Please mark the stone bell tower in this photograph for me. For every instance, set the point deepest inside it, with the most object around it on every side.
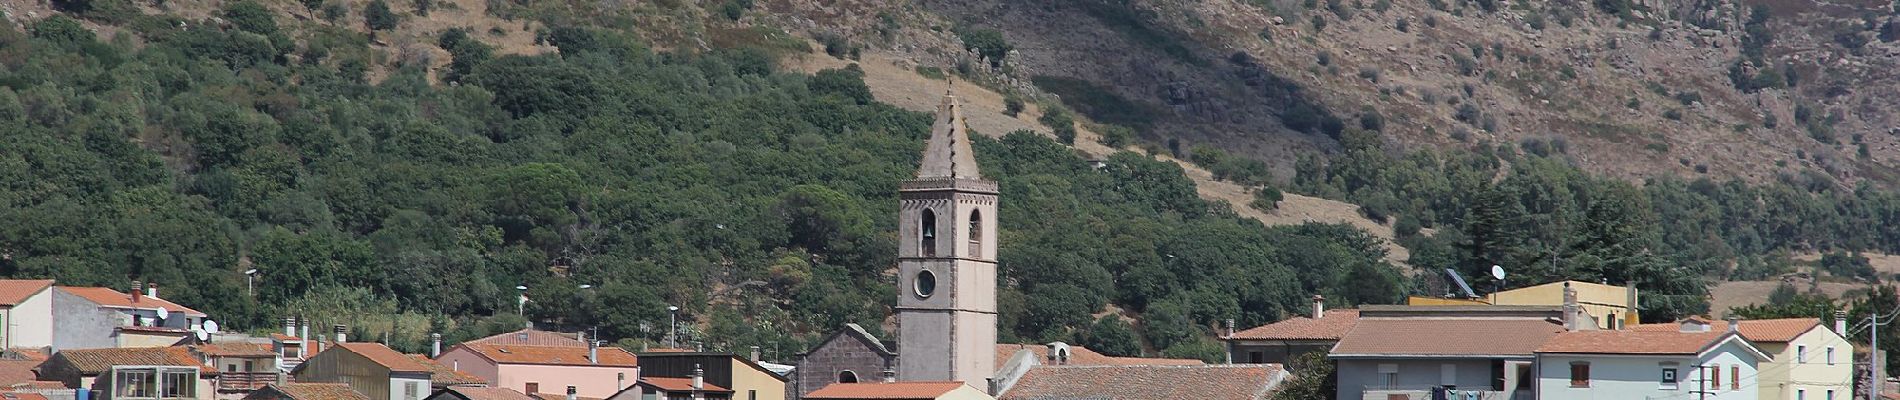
(946, 279)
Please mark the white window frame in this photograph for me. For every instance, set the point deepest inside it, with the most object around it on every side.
(1389, 375)
(1670, 378)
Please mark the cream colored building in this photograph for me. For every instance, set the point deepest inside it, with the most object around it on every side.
(26, 313)
(1810, 361)
(1611, 306)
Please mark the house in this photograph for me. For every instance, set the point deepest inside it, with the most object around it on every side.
(370, 368)
(131, 373)
(660, 388)
(478, 393)
(743, 376)
(1807, 360)
(242, 366)
(1610, 306)
(26, 313)
(1403, 352)
(96, 317)
(1288, 340)
(1692, 362)
(850, 355)
(1143, 382)
(544, 362)
(291, 343)
(306, 391)
(1014, 360)
(899, 391)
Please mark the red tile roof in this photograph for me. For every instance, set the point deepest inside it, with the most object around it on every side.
(315, 391)
(552, 355)
(1082, 356)
(1755, 330)
(1446, 337)
(679, 384)
(482, 393)
(531, 337)
(22, 396)
(885, 391)
(384, 356)
(113, 298)
(1222, 382)
(13, 372)
(1332, 326)
(15, 291)
(97, 361)
(443, 375)
(551, 396)
(235, 350)
(1632, 342)
(287, 339)
(35, 385)
(23, 353)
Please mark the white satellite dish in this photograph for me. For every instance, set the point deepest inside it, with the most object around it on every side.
(200, 333)
(1497, 271)
(163, 314)
(211, 326)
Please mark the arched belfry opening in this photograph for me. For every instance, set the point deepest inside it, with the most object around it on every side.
(976, 233)
(927, 239)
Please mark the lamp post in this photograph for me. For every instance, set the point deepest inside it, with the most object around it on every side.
(249, 286)
(672, 326)
(521, 302)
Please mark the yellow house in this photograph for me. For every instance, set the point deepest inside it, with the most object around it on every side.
(744, 376)
(1810, 361)
(1613, 306)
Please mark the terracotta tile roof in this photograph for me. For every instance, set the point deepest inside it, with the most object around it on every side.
(235, 350)
(23, 353)
(13, 372)
(1332, 326)
(679, 384)
(22, 396)
(96, 361)
(317, 391)
(552, 355)
(1446, 337)
(1082, 356)
(480, 393)
(885, 391)
(384, 356)
(113, 298)
(443, 375)
(551, 396)
(287, 339)
(531, 337)
(15, 291)
(1755, 330)
(1217, 382)
(1632, 342)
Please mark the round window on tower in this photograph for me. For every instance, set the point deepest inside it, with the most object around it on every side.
(926, 283)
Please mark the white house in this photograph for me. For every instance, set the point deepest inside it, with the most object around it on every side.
(1811, 362)
(26, 313)
(1691, 362)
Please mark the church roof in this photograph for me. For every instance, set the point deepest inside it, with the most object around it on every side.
(948, 154)
(862, 335)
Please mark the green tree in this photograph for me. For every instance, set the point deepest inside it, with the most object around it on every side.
(1112, 336)
(378, 17)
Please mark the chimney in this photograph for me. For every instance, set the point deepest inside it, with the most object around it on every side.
(1840, 322)
(572, 393)
(151, 290)
(1319, 306)
(593, 352)
(1230, 327)
(699, 378)
(755, 353)
(342, 333)
(322, 341)
(435, 345)
(1734, 324)
(620, 382)
(304, 326)
(890, 375)
(138, 289)
(290, 326)
(1570, 307)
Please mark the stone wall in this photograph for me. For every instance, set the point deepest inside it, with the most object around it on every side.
(845, 352)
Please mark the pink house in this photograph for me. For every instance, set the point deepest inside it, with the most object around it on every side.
(536, 362)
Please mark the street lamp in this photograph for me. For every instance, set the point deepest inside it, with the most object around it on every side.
(672, 326)
(521, 303)
(249, 287)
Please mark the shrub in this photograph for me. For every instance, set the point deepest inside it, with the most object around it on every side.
(1369, 73)
(1012, 105)
(378, 17)
(987, 42)
(1403, 25)
(1319, 24)
(1267, 198)
(1467, 113)
(1673, 114)
(1059, 121)
(251, 17)
(1115, 135)
(933, 73)
(1371, 120)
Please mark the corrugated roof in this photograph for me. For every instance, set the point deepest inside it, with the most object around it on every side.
(384, 356)
(1211, 382)
(1331, 326)
(1446, 337)
(885, 391)
(443, 375)
(679, 384)
(1632, 342)
(96, 361)
(1755, 330)
(482, 393)
(113, 298)
(531, 337)
(552, 355)
(15, 291)
(1082, 356)
(317, 391)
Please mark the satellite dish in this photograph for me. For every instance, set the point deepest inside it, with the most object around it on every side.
(211, 326)
(200, 333)
(1497, 271)
(163, 314)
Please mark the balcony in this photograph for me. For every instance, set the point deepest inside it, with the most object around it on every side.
(245, 381)
(1372, 392)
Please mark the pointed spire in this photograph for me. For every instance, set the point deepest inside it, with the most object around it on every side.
(948, 154)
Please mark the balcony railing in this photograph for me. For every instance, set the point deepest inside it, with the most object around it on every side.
(1382, 392)
(245, 381)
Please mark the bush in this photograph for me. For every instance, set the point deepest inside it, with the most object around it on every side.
(378, 17)
(1112, 336)
(1059, 121)
(935, 73)
(1012, 105)
(1674, 114)
(251, 17)
(1369, 73)
(987, 42)
(837, 46)
(1267, 198)
(1371, 120)
(1319, 24)
(1403, 25)
(1115, 135)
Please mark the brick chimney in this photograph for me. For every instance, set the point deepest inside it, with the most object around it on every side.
(593, 351)
(1734, 324)
(138, 289)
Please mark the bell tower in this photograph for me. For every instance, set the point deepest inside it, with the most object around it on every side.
(946, 279)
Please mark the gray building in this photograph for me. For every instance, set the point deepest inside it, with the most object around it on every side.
(96, 317)
(848, 356)
(1409, 351)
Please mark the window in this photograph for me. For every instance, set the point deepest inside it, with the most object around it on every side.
(1715, 377)
(925, 283)
(1735, 377)
(1801, 354)
(927, 238)
(754, 395)
(1830, 355)
(230, 368)
(138, 320)
(1448, 374)
(250, 365)
(976, 234)
(290, 352)
(411, 390)
(533, 388)
(1389, 375)
(1580, 374)
(180, 384)
(1830, 394)
(135, 383)
(1257, 357)
(1668, 378)
(847, 377)
(1800, 394)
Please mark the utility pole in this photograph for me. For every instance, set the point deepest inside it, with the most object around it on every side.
(1873, 360)
(1702, 381)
